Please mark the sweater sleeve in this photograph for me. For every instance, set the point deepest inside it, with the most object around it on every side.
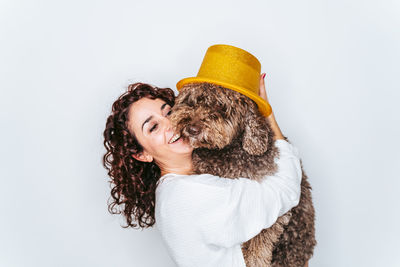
(227, 212)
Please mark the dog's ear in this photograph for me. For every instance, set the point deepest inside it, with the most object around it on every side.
(256, 134)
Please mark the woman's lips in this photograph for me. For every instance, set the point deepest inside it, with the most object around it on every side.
(174, 138)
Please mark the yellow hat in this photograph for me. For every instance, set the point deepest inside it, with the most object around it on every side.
(232, 68)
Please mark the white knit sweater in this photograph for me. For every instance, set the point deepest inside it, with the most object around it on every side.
(204, 219)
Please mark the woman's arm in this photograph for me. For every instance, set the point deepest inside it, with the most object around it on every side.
(271, 118)
(227, 212)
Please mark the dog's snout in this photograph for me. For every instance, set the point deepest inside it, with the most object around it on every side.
(193, 129)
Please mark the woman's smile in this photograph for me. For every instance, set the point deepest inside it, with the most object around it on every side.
(174, 139)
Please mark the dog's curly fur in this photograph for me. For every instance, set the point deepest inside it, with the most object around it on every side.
(232, 139)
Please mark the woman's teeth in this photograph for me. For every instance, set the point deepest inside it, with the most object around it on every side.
(174, 138)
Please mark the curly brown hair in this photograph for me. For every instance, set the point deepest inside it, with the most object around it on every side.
(133, 183)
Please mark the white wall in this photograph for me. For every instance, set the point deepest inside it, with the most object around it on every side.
(333, 80)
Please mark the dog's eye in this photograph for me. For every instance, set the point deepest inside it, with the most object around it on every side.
(213, 116)
(221, 106)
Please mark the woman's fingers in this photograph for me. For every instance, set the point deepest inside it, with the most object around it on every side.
(262, 91)
(271, 118)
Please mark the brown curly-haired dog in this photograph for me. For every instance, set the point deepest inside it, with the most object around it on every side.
(232, 139)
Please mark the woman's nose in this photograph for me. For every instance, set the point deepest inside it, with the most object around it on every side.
(167, 124)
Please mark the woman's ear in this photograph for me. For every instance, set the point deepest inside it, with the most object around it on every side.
(143, 156)
(255, 136)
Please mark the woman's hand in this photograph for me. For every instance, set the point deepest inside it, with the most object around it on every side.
(262, 92)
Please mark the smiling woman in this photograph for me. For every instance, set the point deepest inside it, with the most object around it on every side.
(134, 181)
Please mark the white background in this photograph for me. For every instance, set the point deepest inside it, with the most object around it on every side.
(333, 80)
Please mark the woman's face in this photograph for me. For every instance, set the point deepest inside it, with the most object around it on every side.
(148, 120)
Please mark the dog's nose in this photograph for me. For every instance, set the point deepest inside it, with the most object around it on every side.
(193, 129)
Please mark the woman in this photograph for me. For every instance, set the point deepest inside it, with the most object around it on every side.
(203, 219)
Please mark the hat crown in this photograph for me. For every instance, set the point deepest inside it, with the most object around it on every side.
(232, 65)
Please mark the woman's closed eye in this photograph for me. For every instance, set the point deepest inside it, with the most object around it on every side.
(155, 125)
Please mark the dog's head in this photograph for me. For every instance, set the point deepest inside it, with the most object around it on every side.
(211, 116)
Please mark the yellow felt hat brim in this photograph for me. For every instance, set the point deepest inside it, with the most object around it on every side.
(263, 105)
